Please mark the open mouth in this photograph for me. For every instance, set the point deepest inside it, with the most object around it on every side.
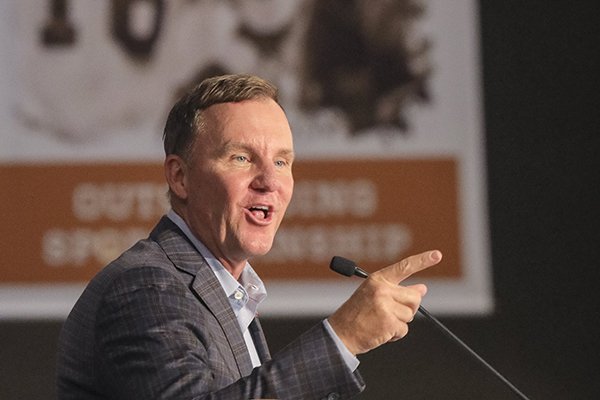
(260, 212)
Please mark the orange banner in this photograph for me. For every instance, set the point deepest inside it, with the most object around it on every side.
(62, 223)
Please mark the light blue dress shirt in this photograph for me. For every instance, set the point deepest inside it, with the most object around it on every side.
(246, 295)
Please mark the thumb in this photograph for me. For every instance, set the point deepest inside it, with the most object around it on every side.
(401, 270)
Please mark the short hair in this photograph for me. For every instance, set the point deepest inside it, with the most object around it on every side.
(185, 121)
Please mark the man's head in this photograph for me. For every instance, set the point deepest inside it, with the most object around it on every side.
(185, 121)
(229, 155)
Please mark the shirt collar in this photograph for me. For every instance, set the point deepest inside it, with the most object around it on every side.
(247, 293)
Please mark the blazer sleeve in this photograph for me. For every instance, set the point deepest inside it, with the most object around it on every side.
(153, 340)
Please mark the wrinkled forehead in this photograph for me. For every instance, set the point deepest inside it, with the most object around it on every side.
(256, 123)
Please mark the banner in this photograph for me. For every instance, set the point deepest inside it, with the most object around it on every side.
(384, 103)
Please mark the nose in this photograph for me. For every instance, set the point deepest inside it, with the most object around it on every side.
(266, 179)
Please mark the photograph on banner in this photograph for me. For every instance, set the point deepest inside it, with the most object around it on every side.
(384, 100)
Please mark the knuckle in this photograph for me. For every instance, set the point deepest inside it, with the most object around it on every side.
(401, 331)
(407, 314)
(378, 287)
(404, 265)
(404, 330)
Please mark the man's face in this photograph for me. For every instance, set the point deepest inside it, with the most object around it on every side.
(239, 181)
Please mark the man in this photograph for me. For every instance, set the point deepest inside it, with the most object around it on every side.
(174, 316)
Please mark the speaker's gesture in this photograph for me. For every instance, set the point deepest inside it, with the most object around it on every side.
(380, 309)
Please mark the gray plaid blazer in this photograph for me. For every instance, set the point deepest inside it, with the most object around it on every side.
(156, 324)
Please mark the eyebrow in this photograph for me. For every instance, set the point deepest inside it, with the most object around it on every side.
(286, 153)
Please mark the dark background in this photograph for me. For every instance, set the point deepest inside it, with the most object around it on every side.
(540, 84)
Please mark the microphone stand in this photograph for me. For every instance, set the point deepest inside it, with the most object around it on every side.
(348, 268)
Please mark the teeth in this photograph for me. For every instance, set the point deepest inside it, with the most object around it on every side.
(264, 209)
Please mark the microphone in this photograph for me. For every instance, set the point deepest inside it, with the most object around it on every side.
(349, 268)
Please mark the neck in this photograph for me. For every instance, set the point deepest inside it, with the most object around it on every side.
(234, 269)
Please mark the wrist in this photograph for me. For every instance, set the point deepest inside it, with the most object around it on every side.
(338, 330)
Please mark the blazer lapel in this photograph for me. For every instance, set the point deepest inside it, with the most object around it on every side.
(260, 342)
(207, 288)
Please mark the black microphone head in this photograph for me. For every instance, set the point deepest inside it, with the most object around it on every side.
(343, 266)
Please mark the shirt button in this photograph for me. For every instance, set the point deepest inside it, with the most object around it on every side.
(238, 295)
(333, 396)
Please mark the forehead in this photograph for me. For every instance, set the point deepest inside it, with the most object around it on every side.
(251, 122)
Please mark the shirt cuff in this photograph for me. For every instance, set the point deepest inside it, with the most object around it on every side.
(349, 358)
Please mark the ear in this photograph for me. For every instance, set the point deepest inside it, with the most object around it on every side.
(176, 175)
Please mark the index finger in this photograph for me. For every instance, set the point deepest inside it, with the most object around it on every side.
(401, 270)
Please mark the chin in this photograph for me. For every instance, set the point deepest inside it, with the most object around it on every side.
(258, 248)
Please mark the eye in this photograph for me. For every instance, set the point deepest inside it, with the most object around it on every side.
(241, 159)
(283, 162)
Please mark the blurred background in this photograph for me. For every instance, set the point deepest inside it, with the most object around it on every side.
(538, 70)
